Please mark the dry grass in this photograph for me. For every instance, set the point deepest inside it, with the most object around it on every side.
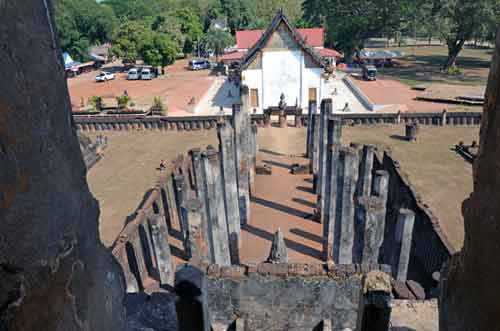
(128, 169)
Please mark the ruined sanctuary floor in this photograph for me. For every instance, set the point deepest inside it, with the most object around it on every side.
(128, 171)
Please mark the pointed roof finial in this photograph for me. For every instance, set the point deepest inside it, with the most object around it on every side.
(279, 253)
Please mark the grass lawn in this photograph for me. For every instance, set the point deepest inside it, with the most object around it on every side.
(423, 64)
(128, 169)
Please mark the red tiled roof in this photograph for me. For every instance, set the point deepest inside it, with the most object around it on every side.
(233, 56)
(245, 39)
(328, 52)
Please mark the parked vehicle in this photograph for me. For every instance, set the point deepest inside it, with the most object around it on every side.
(104, 76)
(133, 74)
(369, 72)
(146, 74)
(199, 64)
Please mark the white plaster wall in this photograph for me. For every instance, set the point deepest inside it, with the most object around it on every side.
(253, 79)
(312, 78)
(284, 72)
(281, 74)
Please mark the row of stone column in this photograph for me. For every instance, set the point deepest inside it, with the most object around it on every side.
(351, 196)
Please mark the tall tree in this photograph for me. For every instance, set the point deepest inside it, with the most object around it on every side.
(81, 23)
(459, 21)
(217, 40)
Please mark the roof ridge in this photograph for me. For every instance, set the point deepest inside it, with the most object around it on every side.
(280, 16)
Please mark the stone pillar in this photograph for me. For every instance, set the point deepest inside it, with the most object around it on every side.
(404, 235)
(159, 234)
(377, 302)
(298, 119)
(172, 215)
(217, 226)
(364, 185)
(267, 119)
(330, 202)
(330, 136)
(282, 119)
(229, 179)
(370, 226)
(380, 187)
(443, 117)
(253, 161)
(411, 131)
(195, 155)
(344, 213)
(242, 129)
(326, 106)
(310, 130)
(196, 245)
(315, 152)
(180, 197)
(278, 253)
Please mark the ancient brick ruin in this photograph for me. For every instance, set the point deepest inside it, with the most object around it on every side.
(372, 220)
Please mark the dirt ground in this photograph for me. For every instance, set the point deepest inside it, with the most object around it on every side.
(387, 90)
(415, 315)
(424, 63)
(128, 170)
(177, 87)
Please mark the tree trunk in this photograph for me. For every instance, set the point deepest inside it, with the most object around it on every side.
(454, 49)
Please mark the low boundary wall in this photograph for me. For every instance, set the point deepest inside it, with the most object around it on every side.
(190, 123)
(430, 246)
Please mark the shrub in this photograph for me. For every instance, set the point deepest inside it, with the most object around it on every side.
(122, 101)
(96, 102)
(158, 106)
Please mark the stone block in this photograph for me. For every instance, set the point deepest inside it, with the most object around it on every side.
(273, 269)
(234, 272)
(213, 270)
(305, 269)
(401, 291)
(417, 289)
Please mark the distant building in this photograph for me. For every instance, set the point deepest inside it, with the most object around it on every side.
(282, 59)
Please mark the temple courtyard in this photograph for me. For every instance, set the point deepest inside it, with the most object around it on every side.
(130, 168)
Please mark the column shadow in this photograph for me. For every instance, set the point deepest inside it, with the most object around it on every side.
(305, 202)
(277, 164)
(307, 235)
(290, 244)
(280, 207)
(267, 151)
(305, 189)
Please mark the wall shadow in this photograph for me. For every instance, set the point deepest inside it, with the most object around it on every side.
(398, 137)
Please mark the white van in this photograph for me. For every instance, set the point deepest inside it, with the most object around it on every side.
(146, 74)
(133, 74)
(199, 64)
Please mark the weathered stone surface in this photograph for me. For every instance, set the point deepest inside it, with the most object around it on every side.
(292, 303)
(56, 275)
(151, 312)
(377, 281)
(401, 291)
(279, 252)
(470, 286)
(417, 289)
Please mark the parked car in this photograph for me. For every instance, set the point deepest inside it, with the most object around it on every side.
(369, 72)
(146, 74)
(199, 64)
(133, 74)
(104, 76)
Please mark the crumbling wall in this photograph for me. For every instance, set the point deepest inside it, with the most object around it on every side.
(290, 296)
(430, 247)
(56, 275)
(470, 286)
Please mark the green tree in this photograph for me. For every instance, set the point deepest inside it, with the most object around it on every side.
(129, 39)
(191, 28)
(81, 23)
(217, 40)
(158, 50)
(459, 21)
